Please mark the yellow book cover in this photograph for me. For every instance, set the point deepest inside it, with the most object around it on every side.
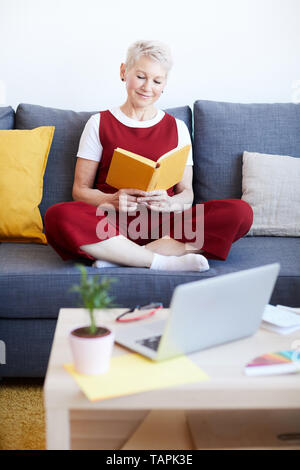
(130, 170)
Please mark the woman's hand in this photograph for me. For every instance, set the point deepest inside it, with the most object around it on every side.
(129, 200)
(125, 200)
(157, 200)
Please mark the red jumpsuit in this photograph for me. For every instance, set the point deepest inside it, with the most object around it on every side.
(69, 225)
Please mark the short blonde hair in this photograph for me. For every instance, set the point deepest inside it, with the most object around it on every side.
(156, 50)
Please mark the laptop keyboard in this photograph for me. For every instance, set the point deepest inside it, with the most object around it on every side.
(151, 343)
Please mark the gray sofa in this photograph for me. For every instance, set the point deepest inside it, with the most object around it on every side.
(35, 282)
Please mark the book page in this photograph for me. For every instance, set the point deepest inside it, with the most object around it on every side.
(136, 156)
(172, 166)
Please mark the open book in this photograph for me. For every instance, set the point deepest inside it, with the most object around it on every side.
(130, 170)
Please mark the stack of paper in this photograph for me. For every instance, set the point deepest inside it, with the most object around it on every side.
(281, 319)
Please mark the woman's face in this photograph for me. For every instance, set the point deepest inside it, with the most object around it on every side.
(145, 81)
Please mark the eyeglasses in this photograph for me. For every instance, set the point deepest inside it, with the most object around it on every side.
(153, 307)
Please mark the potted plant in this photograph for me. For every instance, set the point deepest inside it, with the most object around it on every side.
(92, 345)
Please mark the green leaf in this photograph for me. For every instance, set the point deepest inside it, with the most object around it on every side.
(92, 293)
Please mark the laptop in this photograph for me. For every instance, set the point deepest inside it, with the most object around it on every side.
(205, 313)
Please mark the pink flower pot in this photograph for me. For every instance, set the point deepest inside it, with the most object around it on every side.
(91, 354)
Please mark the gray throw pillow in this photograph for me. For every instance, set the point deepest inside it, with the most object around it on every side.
(271, 187)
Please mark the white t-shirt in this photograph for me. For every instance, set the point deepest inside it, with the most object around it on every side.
(91, 148)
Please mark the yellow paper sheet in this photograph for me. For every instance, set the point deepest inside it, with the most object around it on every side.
(132, 373)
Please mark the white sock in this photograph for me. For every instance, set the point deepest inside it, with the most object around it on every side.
(100, 263)
(189, 262)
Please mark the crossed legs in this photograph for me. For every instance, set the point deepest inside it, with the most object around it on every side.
(71, 229)
(164, 253)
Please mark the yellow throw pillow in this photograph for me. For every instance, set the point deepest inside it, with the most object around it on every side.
(23, 158)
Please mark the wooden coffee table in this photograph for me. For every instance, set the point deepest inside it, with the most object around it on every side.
(228, 408)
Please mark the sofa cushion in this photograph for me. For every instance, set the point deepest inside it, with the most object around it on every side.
(58, 180)
(23, 158)
(271, 187)
(223, 131)
(40, 280)
(27, 344)
(7, 117)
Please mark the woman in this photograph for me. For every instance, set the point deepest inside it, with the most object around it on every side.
(72, 228)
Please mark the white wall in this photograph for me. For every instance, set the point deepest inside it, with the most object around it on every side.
(67, 53)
